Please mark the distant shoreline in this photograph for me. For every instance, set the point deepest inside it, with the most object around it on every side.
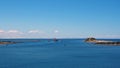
(7, 42)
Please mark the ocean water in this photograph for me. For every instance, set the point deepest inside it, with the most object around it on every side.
(65, 53)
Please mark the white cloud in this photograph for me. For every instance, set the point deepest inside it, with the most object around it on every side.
(56, 31)
(2, 31)
(15, 31)
(11, 34)
(35, 31)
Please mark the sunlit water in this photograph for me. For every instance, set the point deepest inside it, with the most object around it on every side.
(66, 53)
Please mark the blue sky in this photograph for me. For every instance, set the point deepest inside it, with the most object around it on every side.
(59, 18)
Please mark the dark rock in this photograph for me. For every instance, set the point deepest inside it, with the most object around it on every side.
(90, 39)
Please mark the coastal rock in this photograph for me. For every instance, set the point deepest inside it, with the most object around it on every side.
(90, 39)
(93, 40)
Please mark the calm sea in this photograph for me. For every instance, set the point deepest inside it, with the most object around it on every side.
(65, 53)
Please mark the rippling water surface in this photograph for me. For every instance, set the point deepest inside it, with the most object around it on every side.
(66, 53)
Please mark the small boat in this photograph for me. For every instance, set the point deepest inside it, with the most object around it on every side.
(55, 40)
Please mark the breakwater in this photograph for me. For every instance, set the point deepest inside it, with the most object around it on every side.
(93, 40)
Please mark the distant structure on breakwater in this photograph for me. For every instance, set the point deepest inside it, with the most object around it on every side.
(93, 40)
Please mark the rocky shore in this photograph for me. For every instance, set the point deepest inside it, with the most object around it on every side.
(93, 40)
(7, 42)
